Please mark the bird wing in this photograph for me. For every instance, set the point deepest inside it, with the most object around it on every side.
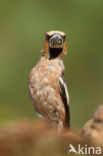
(65, 97)
(63, 91)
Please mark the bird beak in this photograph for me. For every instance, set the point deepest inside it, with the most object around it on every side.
(56, 41)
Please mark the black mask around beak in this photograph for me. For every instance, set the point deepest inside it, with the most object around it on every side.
(56, 41)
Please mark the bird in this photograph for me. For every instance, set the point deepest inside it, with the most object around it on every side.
(93, 129)
(47, 86)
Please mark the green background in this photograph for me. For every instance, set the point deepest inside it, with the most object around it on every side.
(22, 27)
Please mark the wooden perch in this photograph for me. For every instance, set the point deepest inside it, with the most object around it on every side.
(29, 138)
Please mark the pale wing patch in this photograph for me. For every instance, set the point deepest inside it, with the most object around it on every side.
(63, 90)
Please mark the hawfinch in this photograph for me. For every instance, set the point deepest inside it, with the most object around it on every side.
(93, 129)
(47, 86)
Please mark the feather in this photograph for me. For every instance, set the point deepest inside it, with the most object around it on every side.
(65, 98)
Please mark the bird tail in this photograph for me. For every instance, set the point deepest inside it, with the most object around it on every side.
(67, 120)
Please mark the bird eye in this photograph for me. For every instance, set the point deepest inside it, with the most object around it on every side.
(47, 37)
(64, 38)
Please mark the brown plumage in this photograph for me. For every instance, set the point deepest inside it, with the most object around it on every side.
(46, 82)
(93, 129)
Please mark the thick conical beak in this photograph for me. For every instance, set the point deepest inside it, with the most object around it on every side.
(56, 41)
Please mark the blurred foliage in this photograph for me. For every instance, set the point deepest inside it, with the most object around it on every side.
(22, 27)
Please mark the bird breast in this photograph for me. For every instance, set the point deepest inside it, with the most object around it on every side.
(44, 88)
(47, 72)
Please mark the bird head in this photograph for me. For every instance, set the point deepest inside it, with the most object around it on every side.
(54, 45)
